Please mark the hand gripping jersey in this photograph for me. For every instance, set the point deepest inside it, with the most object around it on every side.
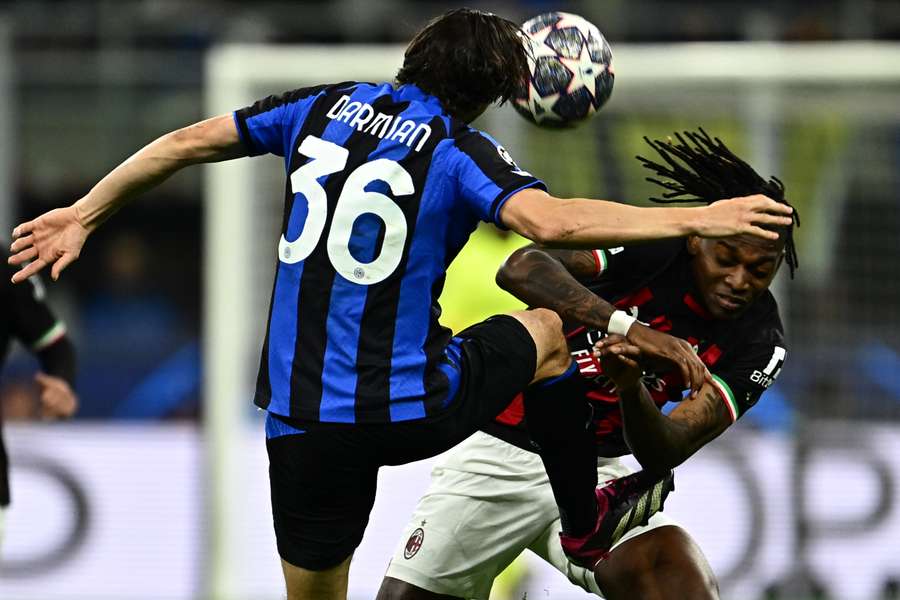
(654, 282)
(383, 189)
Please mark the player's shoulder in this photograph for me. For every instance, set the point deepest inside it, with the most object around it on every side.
(761, 324)
(464, 134)
(646, 260)
(293, 97)
(478, 145)
(663, 254)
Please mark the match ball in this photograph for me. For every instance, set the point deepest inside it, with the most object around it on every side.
(570, 70)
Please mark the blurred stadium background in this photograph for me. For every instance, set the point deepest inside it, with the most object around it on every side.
(158, 488)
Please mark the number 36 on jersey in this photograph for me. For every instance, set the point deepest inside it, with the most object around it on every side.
(327, 158)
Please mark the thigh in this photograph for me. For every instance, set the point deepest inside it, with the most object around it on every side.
(323, 489)
(662, 563)
(481, 510)
(491, 362)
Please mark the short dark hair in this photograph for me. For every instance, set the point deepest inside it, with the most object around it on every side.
(708, 171)
(467, 59)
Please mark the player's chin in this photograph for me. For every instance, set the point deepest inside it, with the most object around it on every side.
(726, 307)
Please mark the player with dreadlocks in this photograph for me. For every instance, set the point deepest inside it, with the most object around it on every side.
(490, 498)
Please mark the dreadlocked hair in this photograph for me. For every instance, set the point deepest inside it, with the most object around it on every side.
(707, 172)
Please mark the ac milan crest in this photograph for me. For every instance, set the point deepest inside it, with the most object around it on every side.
(414, 543)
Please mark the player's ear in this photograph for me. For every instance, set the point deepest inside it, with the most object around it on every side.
(693, 245)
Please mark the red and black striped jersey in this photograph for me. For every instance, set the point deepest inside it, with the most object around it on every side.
(654, 282)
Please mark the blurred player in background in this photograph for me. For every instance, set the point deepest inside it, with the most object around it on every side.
(384, 185)
(24, 316)
(490, 497)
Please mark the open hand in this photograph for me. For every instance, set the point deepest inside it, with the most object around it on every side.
(54, 238)
(748, 214)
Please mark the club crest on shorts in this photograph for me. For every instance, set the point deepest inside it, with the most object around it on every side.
(414, 543)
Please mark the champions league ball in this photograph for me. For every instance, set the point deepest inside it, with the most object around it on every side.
(570, 70)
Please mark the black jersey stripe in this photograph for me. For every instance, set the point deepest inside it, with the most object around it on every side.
(436, 383)
(263, 384)
(379, 321)
(318, 278)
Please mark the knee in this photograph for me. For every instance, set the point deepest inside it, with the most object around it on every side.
(553, 341)
(548, 317)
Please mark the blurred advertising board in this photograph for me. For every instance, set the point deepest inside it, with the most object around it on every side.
(117, 511)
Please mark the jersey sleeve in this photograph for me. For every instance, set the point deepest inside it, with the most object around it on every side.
(635, 262)
(741, 381)
(30, 319)
(487, 176)
(267, 125)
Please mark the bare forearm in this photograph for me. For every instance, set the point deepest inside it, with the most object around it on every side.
(207, 141)
(601, 223)
(580, 223)
(143, 171)
(539, 280)
(657, 442)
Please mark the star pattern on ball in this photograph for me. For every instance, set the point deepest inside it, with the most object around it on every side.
(568, 60)
(586, 71)
(570, 20)
(539, 45)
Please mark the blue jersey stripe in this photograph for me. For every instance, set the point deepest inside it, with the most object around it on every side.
(283, 335)
(427, 261)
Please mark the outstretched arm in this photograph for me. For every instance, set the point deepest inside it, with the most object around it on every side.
(56, 238)
(549, 278)
(580, 223)
(661, 442)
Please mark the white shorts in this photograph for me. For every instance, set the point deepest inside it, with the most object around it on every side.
(487, 502)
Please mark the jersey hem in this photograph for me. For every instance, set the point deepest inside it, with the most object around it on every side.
(307, 420)
(417, 578)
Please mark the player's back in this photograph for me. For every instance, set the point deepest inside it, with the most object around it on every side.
(384, 188)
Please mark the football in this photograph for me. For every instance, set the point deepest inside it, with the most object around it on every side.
(570, 70)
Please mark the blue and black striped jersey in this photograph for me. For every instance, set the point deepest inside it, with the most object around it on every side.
(383, 190)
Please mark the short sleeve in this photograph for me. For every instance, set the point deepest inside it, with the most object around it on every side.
(741, 382)
(487, 176)
(267, 126)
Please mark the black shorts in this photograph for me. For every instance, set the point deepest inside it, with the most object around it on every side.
(323, 475)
